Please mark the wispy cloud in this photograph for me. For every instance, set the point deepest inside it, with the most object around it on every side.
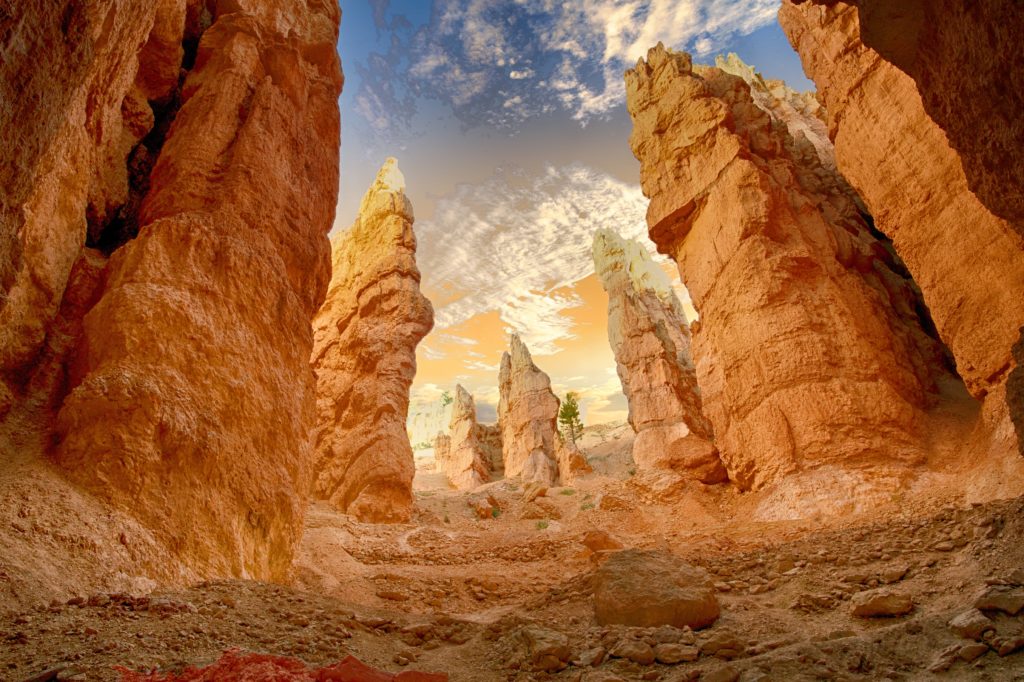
(516, 243)
(499, 62)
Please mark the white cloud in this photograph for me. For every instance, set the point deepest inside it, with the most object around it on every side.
(498, 63)
(516, 242)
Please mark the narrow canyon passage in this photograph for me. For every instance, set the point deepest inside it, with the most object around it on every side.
(650, 341)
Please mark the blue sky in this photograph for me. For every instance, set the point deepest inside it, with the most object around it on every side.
(508, 121)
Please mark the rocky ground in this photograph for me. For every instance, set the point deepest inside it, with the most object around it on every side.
(494, 585)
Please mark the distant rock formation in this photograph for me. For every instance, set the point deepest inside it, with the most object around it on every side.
(427, 419)
(968, 262)
(462, 455)
(799, 303)
(169, 177)
(650, 338)
(364, 355)
(937, 42)
(527, 416)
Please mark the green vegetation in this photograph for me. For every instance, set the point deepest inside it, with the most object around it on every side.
(542, 524)
(586, 505)
(569, 417)
(446, 399)
(566, 491)
(495, 512)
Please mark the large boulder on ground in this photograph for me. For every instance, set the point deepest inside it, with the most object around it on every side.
(648, 588)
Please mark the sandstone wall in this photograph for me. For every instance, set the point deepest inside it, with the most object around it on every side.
(182, 362)
(968, 262)
(650, 339)
(528, 417)
(809, 349)
(364, 356)
(961, 58)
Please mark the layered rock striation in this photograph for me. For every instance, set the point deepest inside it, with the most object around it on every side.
(164, 230)
(810, 349)
(527, 417)
(968, 262)
(465, 458)
(650, 339)
(364, 356)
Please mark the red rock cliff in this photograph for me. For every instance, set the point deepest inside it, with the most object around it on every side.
(211, 133)
(799, 304)
(364, 356)
(968, 262)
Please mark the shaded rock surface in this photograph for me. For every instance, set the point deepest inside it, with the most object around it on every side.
(463, 458)
(799, 302)
(527, 416)
(650, 339)
(364, 356)
(196, 146)
(968, 262)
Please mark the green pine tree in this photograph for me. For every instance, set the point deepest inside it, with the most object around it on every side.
(569, 417)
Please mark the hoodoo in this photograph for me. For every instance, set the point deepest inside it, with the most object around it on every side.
(464, 456)
(528, 417)
(650, 338)
(798, 301)
(364, 356)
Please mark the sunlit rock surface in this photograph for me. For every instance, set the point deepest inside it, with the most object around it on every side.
(364, 356)
(528, 417)
(650, 338)
(198, 148)
(798, 301)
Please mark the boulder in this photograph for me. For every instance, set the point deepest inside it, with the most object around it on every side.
(649, 588)
(881, 603)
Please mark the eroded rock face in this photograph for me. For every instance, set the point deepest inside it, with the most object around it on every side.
(80, 131)
(650, 338)
(213, 136)
(527, 416)
(937, 43)
(968, 262)
(465, 461)
(364, 356)
(799, 302)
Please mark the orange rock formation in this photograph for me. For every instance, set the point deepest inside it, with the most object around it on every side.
(463, 456)
(196, 147)
(650, 338)
(528, 417)
(364, 356)
(968, 262)
(809, 348)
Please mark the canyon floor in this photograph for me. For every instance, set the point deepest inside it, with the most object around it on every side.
(486, 598)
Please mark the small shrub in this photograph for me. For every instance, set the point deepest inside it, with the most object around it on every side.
(586, 505)
(495, 512)
(542, 524)
(567, 491)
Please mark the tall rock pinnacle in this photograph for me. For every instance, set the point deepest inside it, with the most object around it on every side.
(528, 417)
(364, 355)
(650, 338)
